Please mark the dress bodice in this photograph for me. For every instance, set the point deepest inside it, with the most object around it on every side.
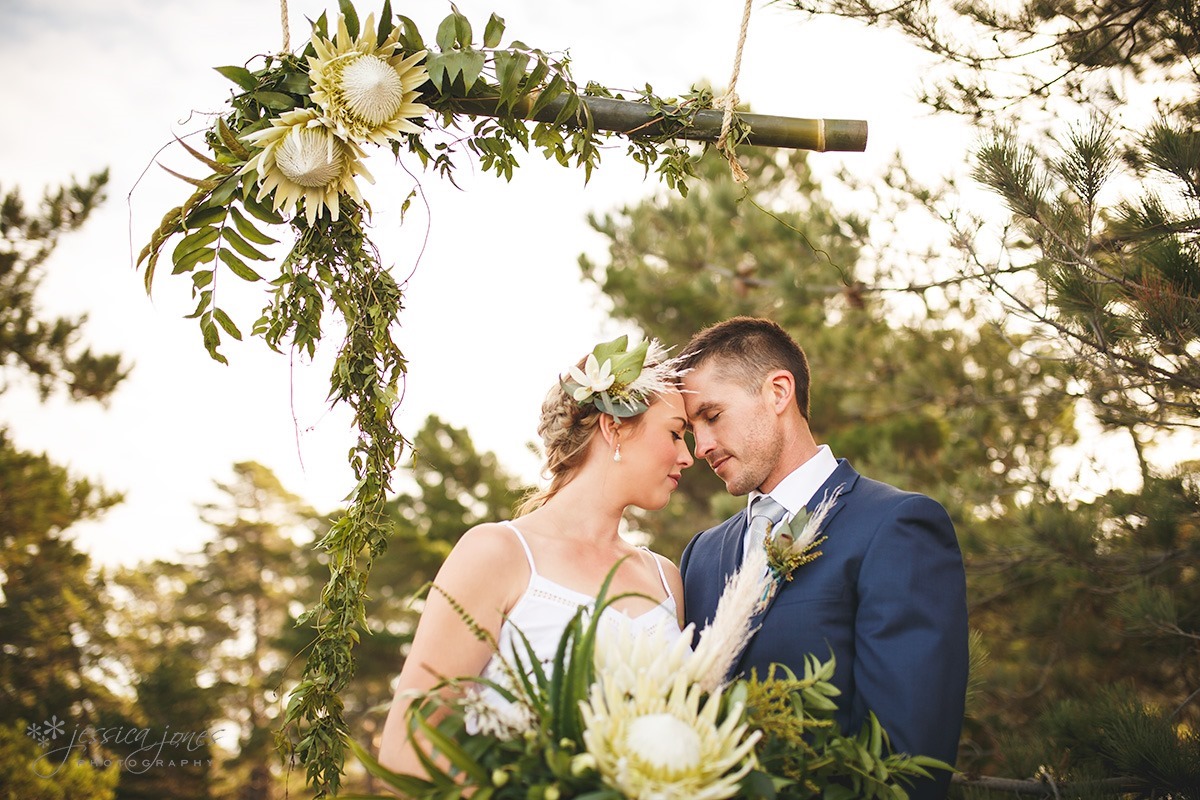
(542, 614)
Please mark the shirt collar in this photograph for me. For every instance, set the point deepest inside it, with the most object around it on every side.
(799, 487)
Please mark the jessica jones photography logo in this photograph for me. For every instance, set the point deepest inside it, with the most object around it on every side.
(140, 749)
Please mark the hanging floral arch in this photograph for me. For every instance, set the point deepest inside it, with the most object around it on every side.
(285, 159)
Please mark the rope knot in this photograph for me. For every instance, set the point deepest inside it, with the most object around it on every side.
(730, 101)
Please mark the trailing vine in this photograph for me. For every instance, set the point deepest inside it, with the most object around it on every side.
(288, 153)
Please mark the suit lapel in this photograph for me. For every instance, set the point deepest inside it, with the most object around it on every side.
(731, 547)
(844, 476)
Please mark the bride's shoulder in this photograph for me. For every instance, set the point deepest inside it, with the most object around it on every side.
(486, 569)
(491, 544)
(668, 566)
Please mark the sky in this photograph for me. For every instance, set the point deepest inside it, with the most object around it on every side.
(495, 308)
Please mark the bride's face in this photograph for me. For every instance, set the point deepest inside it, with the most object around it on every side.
(655, 454)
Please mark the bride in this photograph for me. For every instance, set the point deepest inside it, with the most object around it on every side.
(613, 434)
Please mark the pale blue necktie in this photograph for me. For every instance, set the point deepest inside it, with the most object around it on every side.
(765, 513)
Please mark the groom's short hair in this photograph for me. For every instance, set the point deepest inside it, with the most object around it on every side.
(745, 349)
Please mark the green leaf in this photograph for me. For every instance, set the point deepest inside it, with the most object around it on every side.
(321, 26)
(201, 256)
(212, 339)
(227, 324)
(243, 247)
(351, 15)
(408, 784)
(296, 83)
(239, 75)
(276, 101)
(547, 95)
(211, 163)
(568, 112)
(148, 278)
(194, 241)
(435, 65)
(410, 35)
(493, 31)
(462, 28)
(202, 278)
(205, 215)
(230, 140)
(510, 69)
(202, 306)
(385, 23)
(225, 190)
(540, 70)
(445, 34)
(246, 228)
(468, 63)
(607, 350)
(260, 210)
(238, 267)
(453, 753)
(206, 185)
(472, 66)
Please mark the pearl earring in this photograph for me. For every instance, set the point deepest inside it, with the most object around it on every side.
(617, 454)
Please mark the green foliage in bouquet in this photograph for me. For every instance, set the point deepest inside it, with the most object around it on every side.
(804, 754)
(622, 716)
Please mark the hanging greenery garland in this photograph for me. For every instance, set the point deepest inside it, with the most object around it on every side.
(289, 152)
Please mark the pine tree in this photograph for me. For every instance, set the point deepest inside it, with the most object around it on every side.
(1093, 111)
(52, 663)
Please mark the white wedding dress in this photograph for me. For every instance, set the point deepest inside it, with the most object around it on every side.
(541, 615)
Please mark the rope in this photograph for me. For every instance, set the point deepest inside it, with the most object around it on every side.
(283, 21)
(730, 100)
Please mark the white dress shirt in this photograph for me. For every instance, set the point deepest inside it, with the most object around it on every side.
(798, 488)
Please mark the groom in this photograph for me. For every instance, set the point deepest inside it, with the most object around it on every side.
(887, 596)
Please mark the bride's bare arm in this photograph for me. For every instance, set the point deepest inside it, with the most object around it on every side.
(485, 576)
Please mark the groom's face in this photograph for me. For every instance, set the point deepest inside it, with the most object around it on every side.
(734, 428)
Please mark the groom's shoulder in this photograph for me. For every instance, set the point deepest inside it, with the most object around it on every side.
(880, 495)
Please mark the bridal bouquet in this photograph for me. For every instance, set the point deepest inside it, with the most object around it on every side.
(622, 714)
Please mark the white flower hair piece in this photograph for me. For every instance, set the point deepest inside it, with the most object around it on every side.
(616, 379)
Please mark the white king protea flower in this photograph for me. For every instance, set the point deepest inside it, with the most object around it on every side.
(366, 92)
(649, 744)
(301, 159)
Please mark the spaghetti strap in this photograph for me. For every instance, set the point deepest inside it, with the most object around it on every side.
(661, 575)
(529, 555)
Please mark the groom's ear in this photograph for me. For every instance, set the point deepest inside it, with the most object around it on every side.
(781, 388)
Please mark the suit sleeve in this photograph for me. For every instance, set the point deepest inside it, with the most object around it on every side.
(911, 635)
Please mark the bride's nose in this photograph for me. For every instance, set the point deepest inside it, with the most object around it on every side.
(685, 459)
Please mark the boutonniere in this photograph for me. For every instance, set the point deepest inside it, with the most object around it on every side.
(791, 545)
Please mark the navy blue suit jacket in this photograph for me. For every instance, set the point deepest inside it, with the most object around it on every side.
(887, 597)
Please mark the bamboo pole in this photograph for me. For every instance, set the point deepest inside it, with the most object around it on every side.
(639, 119)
